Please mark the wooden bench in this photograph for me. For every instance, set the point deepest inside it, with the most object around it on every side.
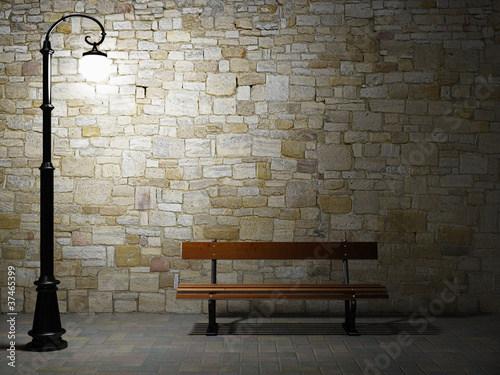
(281, 250)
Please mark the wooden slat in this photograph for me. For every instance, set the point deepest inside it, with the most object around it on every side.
(289, 288)
(248, 296)
(277, 291)
(279, 250)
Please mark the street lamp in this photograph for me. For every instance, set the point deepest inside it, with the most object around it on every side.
(47, 329)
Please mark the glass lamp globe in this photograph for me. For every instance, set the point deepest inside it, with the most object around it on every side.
(94, 65)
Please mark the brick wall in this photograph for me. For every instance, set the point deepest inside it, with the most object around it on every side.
(256, 120)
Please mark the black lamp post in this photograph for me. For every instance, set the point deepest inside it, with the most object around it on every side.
(47, 330)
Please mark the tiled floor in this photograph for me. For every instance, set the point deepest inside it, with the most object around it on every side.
(170, 344)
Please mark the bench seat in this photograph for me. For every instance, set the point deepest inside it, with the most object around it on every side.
(286, 291)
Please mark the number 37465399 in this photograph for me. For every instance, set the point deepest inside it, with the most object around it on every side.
(11, 286)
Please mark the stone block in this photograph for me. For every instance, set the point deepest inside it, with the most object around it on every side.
(221, 84)
(291, 272)
(144, 282)
(16, 90)
(419, 77)
(266, 147)
(293, 149)
(456, 60)
(263, 171)
(398, 91)
(284, 165)
(122, 106)
(145, 198)
(100, 302)
(366, 121)
(406, 221)
(152, 302)
(108, 235)
(217, 171)
(366, 202)
(31, 68)
(415, 184)
(454, 235)
(133, 164)
(7, 199)
(9, 220)
(198, 148)
(196, 202)
(162, 219)
(168, 148)
(181, 103)
(84, 252)
(277, 87)
(243, 93)
(220, 232)
(227, 202)
(471, 264)
(126, 305)
(422, 154)
(456, 181)
(8, 106)
(78, 301)
(302, 93)
(428, 57)
(245, 108)
(257, 229)
(85, 283)
(112, 211)
(33, 145)
(176, 36)
(25, 277)
(425, 252)
(301, 194)
(19, 183)
(284, 124)
(92, 191)
(387, 105)
(174, 305)
(335, 204)
(160, 264)
(333, 157)
(67, 268)
(233, 145)
(306, 166)
(224, 106)
(90, 131)
(244, 171)
(245, 265)
(473, 164)
(112, 280)
(374, 92)
(127, 256)
(251, 79)
(81, 239)
(360, 10)
(239, 65)
(254, 201)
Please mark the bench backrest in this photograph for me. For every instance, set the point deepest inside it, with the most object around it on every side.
(279, 250)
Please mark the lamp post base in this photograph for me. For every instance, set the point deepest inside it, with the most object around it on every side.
(47, 344)
(47, 330)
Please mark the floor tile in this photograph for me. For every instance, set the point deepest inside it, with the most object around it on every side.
(169, 344)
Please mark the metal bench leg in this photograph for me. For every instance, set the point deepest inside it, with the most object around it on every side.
(350, 318)
(350, 305)
(213, 327)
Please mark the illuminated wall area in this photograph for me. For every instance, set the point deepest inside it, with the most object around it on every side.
(287, 120)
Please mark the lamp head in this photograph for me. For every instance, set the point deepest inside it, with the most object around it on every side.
(94, 65)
